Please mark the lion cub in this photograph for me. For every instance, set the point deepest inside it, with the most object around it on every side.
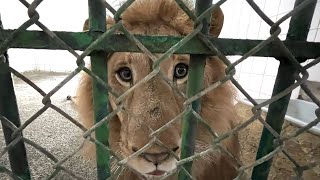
(153, 104)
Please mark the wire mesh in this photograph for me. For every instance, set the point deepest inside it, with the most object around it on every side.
(272, 142)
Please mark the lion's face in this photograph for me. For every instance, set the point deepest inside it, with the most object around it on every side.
(148, 107)
(154, 103)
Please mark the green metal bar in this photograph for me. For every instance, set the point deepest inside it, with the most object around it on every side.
(194, 86)
(275, 118)
(9, 109)
(158, 44)
(97, 23)
(298, 30)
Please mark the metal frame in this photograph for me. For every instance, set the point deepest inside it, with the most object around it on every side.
(96, 43)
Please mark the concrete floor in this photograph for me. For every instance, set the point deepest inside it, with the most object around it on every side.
(51, 130)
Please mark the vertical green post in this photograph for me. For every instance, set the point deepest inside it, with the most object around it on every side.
(195, 85)
(9, 109)
(97, 23)
(299, 28)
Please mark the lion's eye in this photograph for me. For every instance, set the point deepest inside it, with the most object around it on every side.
(180, 71)
(125, 74)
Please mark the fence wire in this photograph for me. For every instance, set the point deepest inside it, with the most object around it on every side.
(299, 76)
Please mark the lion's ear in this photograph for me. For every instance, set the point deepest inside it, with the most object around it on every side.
(184, 24)
(109, 22)
(216, 24)
(86, 25)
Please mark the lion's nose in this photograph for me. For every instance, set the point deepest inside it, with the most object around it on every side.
(156, 158)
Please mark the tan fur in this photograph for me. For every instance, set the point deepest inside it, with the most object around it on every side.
(154, 103)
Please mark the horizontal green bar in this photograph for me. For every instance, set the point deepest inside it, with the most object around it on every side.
(157, 44)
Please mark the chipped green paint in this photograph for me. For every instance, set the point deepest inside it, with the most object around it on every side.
(97, 23)
(194, 86)
(158, 44)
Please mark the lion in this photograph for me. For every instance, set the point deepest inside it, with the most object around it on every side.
(154, 103)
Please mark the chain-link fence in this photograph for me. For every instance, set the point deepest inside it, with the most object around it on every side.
(99, 41)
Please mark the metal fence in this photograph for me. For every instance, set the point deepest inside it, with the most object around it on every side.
(291, 52)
